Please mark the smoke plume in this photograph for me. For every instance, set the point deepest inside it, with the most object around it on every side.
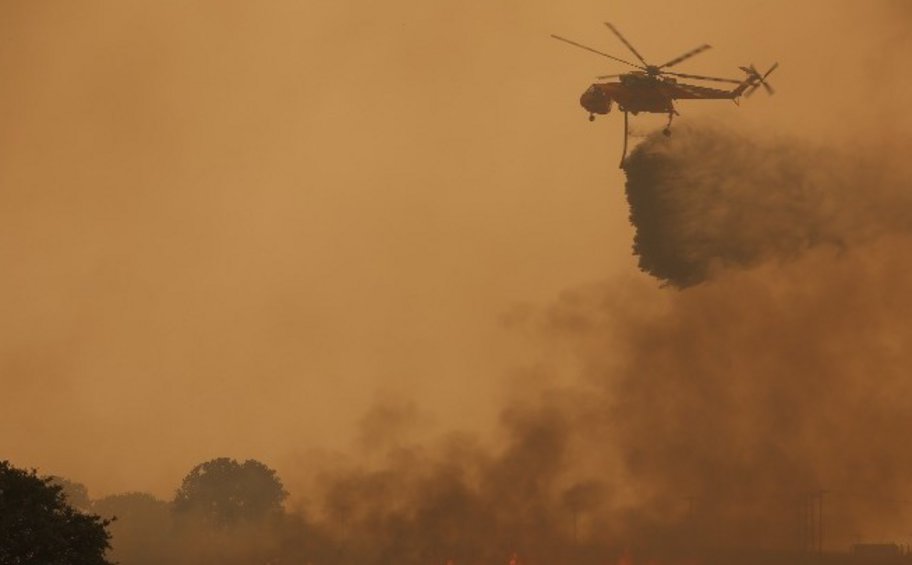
(735, 405)
(698, 421)
(710, 198)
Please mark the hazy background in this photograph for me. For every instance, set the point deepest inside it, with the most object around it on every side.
(227, 228)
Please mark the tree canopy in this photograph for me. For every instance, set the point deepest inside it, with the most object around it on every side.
(75, 494)
(224, 492)
(38, 527)
(143, 533)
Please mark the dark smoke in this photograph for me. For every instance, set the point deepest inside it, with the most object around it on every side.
(695, 422)
(690, 424)
(700, 421)
(459, 501)
(710, 199)
(748, 392)
(783, 373)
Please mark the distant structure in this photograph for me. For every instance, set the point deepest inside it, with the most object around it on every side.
(810, 532)
(879, 554)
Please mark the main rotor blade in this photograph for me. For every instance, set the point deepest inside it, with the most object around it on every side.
(698, 77)
(609, 76)
(686, 56)
(627, 43)
(559, 38)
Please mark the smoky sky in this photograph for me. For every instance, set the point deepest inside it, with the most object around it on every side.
(225, 227)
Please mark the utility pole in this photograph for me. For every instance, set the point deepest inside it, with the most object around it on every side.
(810, 510)
(811, 521)
(805, 527)
(820, 494)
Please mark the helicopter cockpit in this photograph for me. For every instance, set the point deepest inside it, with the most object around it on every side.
(595, 101)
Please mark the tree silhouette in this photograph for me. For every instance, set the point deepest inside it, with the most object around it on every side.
(143, 533)
(224, 492)
(75, 494)
(38, 527)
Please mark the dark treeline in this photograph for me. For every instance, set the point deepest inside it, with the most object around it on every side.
(224, 511)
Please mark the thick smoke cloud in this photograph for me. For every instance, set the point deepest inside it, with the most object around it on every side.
(779, 376)
(456, 500)
(699, 420)
(710, 198)
(751, 391)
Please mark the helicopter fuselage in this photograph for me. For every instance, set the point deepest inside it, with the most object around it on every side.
(635, 94)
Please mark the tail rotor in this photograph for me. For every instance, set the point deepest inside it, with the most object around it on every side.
(759, 80)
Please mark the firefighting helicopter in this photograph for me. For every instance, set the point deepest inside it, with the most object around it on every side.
(652, 89)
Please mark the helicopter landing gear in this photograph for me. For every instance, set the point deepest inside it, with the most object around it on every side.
(666, 132)
(591, 117)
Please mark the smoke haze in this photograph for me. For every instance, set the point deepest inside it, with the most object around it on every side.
(700, 418)
(225, 228)
(746, 392)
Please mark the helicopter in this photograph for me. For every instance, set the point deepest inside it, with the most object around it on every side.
(653, 89)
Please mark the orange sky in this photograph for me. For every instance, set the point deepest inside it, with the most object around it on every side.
(226, 227)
